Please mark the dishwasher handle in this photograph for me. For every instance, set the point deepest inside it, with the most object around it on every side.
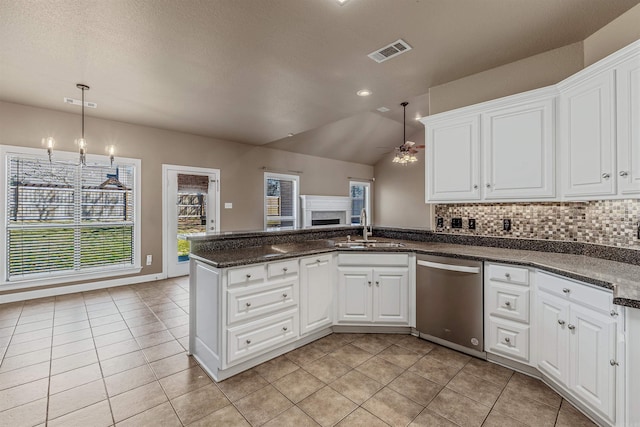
(450, 267)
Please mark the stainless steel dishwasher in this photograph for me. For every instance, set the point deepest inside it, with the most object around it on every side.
(449, 303)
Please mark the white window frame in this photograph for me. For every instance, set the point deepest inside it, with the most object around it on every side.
(367, 186)
(296, 198)
(44, 279)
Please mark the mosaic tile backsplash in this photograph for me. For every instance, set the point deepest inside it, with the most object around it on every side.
(604, 222)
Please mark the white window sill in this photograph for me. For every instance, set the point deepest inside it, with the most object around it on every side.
(26, 283)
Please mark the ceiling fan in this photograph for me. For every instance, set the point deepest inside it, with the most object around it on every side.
(406, 153)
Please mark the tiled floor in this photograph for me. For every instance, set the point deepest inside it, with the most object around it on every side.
(118, 357)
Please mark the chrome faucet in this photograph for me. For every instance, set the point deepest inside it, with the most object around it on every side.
(363, 222)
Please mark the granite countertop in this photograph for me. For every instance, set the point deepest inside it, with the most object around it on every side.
(622, 278)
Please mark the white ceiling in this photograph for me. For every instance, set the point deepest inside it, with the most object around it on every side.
(253, 71)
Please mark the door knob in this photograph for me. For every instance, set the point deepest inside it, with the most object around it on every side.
(571, 327)
(624, 173)
(560, 322)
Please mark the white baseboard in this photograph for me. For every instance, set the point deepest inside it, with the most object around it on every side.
(62, 290)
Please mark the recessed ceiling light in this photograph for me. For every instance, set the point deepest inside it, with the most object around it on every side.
(418, 117)
(341, 2)
(383, 109)
(289, 134)
(363, 92)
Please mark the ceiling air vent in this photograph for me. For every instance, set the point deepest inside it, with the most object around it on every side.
(394, 49)
(79, 102)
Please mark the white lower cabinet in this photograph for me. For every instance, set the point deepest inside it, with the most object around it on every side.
(316, 293)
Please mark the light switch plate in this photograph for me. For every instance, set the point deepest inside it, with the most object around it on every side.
(228, 205)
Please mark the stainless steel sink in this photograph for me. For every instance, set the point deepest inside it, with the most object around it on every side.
(363, 245)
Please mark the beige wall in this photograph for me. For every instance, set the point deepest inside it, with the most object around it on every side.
(240, 165)
(613, 36)
(537, 71)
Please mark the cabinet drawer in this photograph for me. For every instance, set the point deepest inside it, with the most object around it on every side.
(575, 291)
(374, 260)
(508, 274)
(508, 301)
(509, 339)
(282, 269)
(246, 275)
(261, 335)
(249, 302)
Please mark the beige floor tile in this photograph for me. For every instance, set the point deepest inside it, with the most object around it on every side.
(263, 405)
(351, 355)
(29, 414)
(162, 415)
(70, 327)
(154, 338)
(327, 406)
(276, 368)
(72, 348)
(415, 387)
(24, 360)
(329, 343)
(35, 317)
(415, 344)
(327, 369)
(400, 356)
(24, 375)
(74, 378)
(488, 371)
(496, 419)
(198, 404)
(105, 320)
(27, 347)
(569, 416)
(176, 321)
(239, 386)
(163, 350)
(449, 357)
(109, 328)
(305, 355)
(434, 369)
(172, 364)
(361, 418)
(298, 385)
(135, 401)
(25, 393)
(392, 408)
(138, 310)
(429, 419)
(96, 415)
(292, 417)
(122, 363)
(68, 337)
(475, 388)
(380, 370)
(113, 338)
(118, 349)
(225, 417)
(144, 325)
(77, 398)
(35, 326)
(527, 411)
(524, 387)
(180, 331)
(128, 380)
(32, 336)
(459, 409)
(372, 343)
(184, 381)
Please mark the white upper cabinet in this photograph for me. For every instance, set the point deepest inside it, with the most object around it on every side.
(587, 129)
(518, 151)
(453, 159)
(628, 137)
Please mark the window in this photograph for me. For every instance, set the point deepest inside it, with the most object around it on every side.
(64, 222)
(360, 199)
(280, 201)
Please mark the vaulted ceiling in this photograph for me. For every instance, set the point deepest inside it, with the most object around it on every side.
(253, 71)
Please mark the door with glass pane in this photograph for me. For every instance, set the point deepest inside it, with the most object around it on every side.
(191, 209)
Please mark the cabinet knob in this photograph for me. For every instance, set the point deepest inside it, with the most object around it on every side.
(507, 340)
(624, 173)
(248, 341)
(285, 269)
(284, 295)
(318, 260)
(284, 328)
(613, 363)
(488, 185)
(507, 303)
(475, 187)
(566, 290)
(560, 322)
(248, 304)
(248, 276)
(606, 175)
(377, 283)
(369, 282)
(571, 327)
(507, 275)
(613, 313)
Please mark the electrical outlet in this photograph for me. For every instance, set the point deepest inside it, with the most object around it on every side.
(228, 205)
(506, 224)
(440, 222)
(149, 259)
(472, 223)
(456, 222)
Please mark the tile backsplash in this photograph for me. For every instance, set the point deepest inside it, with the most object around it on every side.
(605, 222)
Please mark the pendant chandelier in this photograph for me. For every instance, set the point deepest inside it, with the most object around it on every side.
(406, 152)
(81, 142)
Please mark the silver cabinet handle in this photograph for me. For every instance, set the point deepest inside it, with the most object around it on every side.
(284, 295)
(248, 304)
(566, 290)
(624, 173)
(285, 269)
(560, 322)
(507, 303)
(248, 276)
(284, 328)
(606, 175)
(613, 363)
(571, 327)
(507, 275)
(507, 340)
(613, 313)
(248, 341)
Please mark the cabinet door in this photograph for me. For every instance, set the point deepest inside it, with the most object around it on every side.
(628, 120)
(553, 338)
(391, 295)
(592, 348)
(518, 147)
(588, 137)
(316, 293)
(355, 294)
(453, 160)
